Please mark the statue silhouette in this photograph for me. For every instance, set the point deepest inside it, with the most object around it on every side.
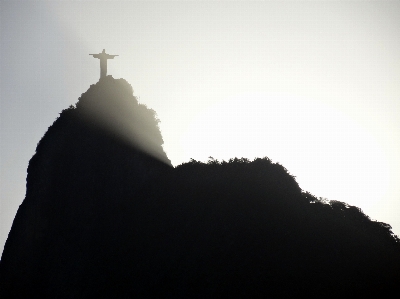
(103, 56)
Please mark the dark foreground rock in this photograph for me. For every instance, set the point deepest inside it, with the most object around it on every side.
(106, 216)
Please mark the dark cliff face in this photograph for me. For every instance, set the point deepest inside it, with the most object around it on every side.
(90, 161)
(106, 216)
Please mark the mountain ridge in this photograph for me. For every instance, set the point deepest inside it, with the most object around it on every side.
(106, 215)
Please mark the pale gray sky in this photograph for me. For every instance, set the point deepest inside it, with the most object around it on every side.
(313, 85)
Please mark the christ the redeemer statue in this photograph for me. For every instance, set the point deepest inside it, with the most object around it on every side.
(103, 56)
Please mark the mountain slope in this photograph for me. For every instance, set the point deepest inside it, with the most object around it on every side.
(106, 216)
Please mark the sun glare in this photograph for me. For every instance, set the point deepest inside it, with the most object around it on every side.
(329, 153)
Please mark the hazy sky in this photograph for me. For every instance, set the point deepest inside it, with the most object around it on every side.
(313, 85)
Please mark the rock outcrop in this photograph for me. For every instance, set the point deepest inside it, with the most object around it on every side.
(106, 216)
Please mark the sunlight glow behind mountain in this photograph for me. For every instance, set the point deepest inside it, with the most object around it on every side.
(305, 137)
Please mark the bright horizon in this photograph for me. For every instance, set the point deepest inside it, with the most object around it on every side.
(312, 85)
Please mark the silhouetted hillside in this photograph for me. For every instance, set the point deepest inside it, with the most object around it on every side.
(106, 216)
